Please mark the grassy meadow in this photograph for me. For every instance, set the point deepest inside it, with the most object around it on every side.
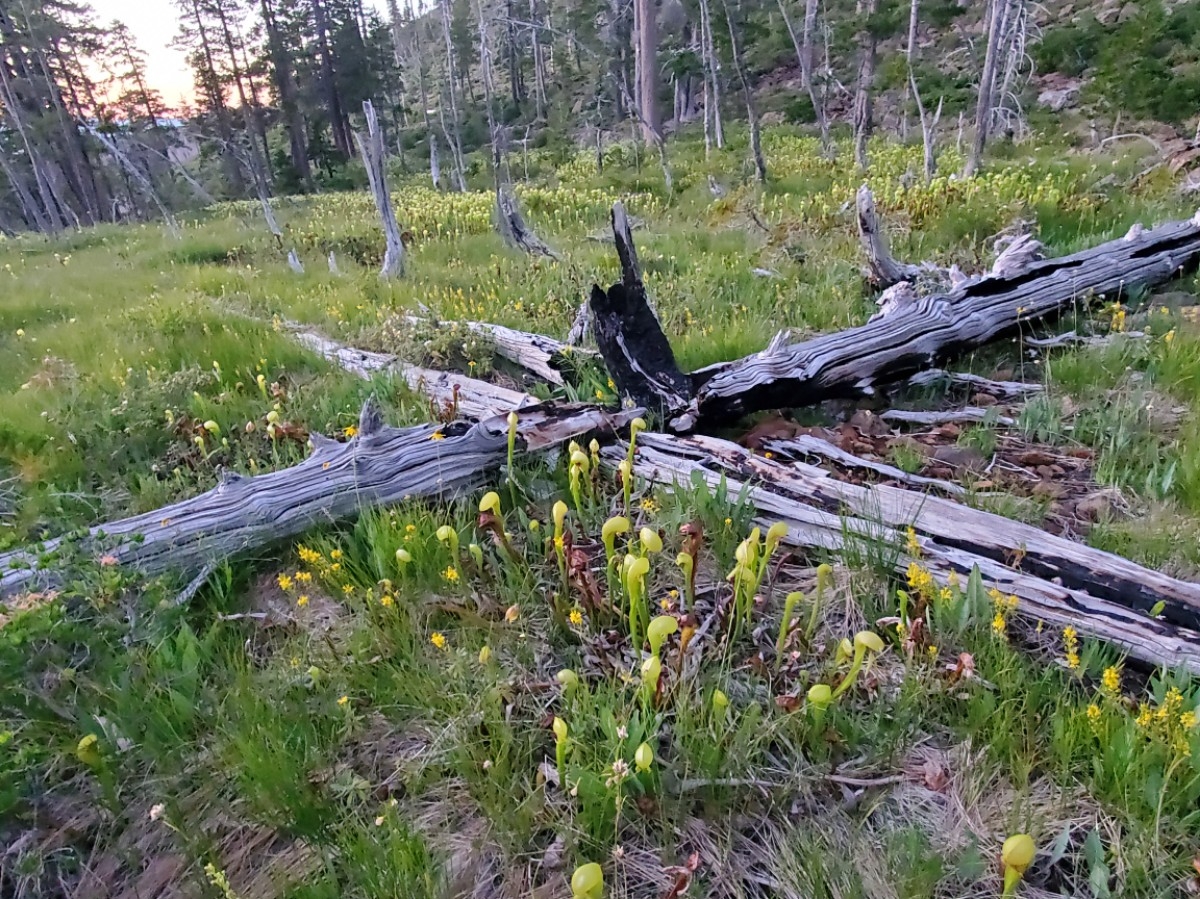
(430, 702)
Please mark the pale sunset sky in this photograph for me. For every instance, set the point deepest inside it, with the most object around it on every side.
(154, 24)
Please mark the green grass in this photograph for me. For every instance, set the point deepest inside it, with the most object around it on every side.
(365, 726)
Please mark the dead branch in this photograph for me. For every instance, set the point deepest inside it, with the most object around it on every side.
(379, 466)
(1056, 581)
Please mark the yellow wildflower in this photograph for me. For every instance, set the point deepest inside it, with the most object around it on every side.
(450, 574)
(438, 639)
(345, 700)
(1000, 626)
(285, 582)
(576, 617)
(348, 589)
(1093, 714)
(387, 600)
(1111, 680)
(303, 577)
(350, 430)
(308, 556)
(1071, 647)
(437, 435)
(335, 554)
(302, 600)
(911, 545)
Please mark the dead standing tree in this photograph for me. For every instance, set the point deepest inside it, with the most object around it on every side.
(373, 156)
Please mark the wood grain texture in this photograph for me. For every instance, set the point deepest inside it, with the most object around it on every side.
(1056, 581)
(934, 328)
(379, 466)
(630, 337)
(470, 397)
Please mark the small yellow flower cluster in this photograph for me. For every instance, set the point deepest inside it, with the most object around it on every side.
(1071, 647)
(1002, 607)
(921, 582)
(1110, 682)
(438, 639)
(1169, 724)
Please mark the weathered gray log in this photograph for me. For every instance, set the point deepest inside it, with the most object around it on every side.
(468, 397)
(379, 466)
(946, 416)
(514, 230)
(807, 445)
(938, 327)
(1055, 580)
(373, 156)
(1001, 389)
(537, 353)
(883, 270)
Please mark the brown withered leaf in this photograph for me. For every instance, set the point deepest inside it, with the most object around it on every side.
(788, 702)
(963, 669)
(773, 428)
(935, 776)
(683, 876)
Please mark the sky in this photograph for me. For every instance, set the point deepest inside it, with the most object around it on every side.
(154, 24)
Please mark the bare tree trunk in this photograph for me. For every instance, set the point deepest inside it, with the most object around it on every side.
(997, 13)
(909, 54)
(35, 215)
(53, 215)
(927, 128)
(863, 113)
(803, 48)
(454, 136)
(140, 177)
(713, 130)
(760, 163)
(285, 86)
(338, 120)
(373, 155)
(485, 59)
(539, 65)
(646, 56)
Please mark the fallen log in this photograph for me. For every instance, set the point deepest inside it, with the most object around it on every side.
(909, 336)
(541, 355)
(378, 466)
(1001, 389)
(463, 396)
(1056, 581)
(806, 445)
(949, 416)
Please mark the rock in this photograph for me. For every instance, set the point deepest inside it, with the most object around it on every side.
(869, 424)
(1103, 504)
(960, 458)
(1035, 458)
(1108, 13)
(984, 399)
(1058, 99)
(1047, 490)
(1128, 11)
